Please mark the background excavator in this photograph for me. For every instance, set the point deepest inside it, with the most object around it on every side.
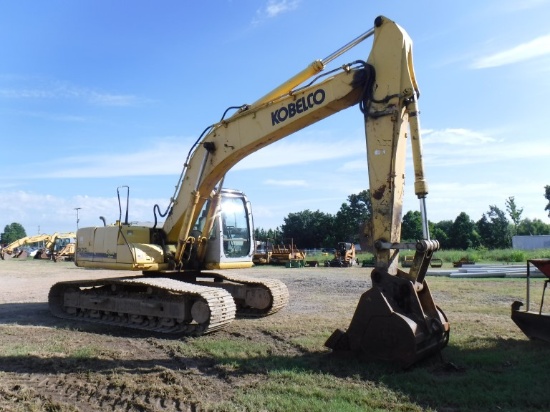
(344, 256)
(59, 246)
(178, 291)
(14, 249)
(51, 245)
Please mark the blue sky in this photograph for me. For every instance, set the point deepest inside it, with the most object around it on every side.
(100, 94)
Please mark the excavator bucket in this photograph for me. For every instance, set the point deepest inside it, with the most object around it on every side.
(534, 324)
(22, 254)
(396, 320)
(42, 254)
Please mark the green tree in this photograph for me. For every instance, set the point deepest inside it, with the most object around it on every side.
(309, 229)
(463, 234)
(493, 227)
(547, 196)
(260, 234)
(411, 228)
(271, 235)
(352, 216)
(528, 227)
(440, 231)
(514, 212)
(12, 232)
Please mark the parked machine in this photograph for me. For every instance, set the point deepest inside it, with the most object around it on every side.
(535, 324)
(268, 253)
(179, 291)
(14, 249)
(344, 256)
(262, 253)
(287, 254)
(46, 251)
(55, 244)
(66, 253)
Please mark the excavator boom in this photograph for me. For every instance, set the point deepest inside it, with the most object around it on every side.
(250, 130)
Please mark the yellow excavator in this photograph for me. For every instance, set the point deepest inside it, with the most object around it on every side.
(14, 249)
(50, 242)
(180, 289)
(56, 244)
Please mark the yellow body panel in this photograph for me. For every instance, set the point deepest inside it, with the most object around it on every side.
(118, 247)
(229, 265)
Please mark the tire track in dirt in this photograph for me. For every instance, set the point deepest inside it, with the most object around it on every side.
(63, 366)
(140, 378)
(79, 393)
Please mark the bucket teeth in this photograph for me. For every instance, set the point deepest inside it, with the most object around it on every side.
(393, 322)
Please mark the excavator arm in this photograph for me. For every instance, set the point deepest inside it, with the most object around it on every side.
(248, 131)
(387, 89)
(397, 318)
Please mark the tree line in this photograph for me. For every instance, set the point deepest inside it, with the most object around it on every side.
(494, 230)
(351, 223)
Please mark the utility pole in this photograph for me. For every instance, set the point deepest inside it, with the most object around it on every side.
(77, 219)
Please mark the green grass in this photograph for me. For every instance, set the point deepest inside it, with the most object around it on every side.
(299, 390)
(57, 345)
(488, 374)
(478, 255)
(488, 365)
(280, 364)
(492, 256)
(491, 374)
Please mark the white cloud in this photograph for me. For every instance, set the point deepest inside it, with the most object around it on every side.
(285, 153)
(108, 99)
(273, 9)
(457, 136)
(452, 147)
(353, 165)
(447, 199)
(447, 147)
(51, 116)
(276, 7)
(537, 47)
(166, 157)
(514, 6)
(57, 214)
(32, 88)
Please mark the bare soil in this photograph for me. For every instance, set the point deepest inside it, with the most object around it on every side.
(58, 365)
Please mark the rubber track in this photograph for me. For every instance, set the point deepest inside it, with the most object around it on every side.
(221, 304)
(277, 289)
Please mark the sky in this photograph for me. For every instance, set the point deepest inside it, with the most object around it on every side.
(97, 95)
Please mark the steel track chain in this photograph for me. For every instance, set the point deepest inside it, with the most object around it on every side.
(277, 289)
(220, 303)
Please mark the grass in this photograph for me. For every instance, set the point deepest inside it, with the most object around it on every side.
(488, 364)
(301, 390)
(478, 255)
(280, 363)
(489, 373)
(57, 346)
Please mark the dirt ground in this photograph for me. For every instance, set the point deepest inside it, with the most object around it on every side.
(58, 365)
